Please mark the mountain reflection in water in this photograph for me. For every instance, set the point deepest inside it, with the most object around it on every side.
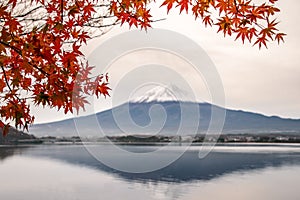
(186, 169)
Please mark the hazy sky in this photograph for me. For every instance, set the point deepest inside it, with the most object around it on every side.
(265, 81)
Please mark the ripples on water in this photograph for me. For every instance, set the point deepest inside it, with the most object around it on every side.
(70, 172)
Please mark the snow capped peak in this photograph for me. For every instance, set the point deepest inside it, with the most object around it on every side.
(162, 94)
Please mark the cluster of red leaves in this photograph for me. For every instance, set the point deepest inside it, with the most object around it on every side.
(45, 65)
(134, 12)
(244, 18)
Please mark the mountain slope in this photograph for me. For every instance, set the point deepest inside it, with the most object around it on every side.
(235, 122)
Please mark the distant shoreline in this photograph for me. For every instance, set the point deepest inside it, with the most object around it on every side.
(225, 139)
(231, 144)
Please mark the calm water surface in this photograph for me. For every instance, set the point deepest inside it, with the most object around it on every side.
(66, 172)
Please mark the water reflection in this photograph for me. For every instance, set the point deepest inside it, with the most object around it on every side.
(7, 151)
(69, 172)
(187, 168)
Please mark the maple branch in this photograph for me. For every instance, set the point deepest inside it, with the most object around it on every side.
(62, 11)
(12, 47)
(236, 6)
(245, 17)
(28, 32)
(158, 20)
(5, 78)
(34, 66)
(29, 12)
(8, 85)
(101, 5)
(34, 19)
(103, 17)
(20, 53)
(102, 26)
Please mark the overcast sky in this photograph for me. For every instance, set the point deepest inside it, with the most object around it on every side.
(266, 81)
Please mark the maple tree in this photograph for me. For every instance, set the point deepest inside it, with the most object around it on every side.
(40, 57)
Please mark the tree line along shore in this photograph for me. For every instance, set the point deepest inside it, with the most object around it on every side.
(16, 137)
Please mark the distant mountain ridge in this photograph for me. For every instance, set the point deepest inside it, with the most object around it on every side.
(170, 100)
(14, 137)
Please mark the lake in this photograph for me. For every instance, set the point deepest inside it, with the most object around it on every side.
(234, 172)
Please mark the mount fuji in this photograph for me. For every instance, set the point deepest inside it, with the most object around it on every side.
(159, 111)
(163, 94)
